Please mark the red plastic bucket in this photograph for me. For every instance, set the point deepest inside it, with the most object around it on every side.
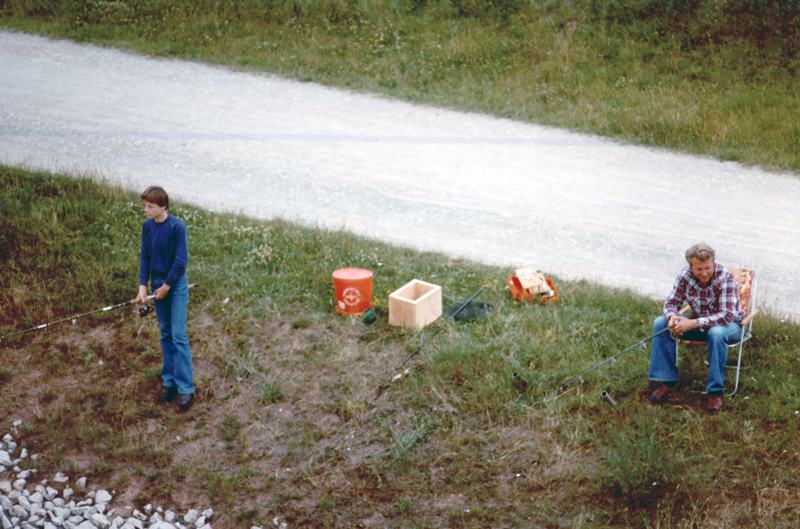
(353, 288)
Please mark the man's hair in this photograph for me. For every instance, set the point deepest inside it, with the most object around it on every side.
(701, 252)
(156, 195)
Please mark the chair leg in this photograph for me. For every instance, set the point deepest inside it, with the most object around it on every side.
(738, 368)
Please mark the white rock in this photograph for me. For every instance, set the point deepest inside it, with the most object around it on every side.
(102, 496)
(191, 516)
(5, 459)
(19, 485)
(81, 483)
(24, 502)
(200, 522)
(24, 474)
(68, 492)
(91, 494)
(101, 507)
(50, 493)
(156, 518)
(5, 487)
(139, 515)
(136, 523)
(169, 516)
(5, 503)
(49, 525)
(99, 520)
(126, 525)
(5, 522)
(148, 508)
(60, 478)
(208, 513)
(86, 524)
(37, 497)
(7, 438)
(19, 511)
(24, 453)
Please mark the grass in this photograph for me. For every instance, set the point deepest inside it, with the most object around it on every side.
(297, 416)
(707, 77)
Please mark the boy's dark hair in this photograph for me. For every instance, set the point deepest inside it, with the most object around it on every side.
(156, 195)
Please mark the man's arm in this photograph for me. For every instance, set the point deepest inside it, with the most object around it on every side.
(677, 323)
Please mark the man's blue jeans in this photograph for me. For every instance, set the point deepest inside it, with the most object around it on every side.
(176, 371)
(663, 366)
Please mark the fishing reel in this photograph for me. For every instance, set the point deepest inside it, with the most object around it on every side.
(144, 310)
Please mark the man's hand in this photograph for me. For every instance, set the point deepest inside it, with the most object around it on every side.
(161, 292)
(679, 325)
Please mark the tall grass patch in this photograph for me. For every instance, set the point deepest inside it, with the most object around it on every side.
(701, 76)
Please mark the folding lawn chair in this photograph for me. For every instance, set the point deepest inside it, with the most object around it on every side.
(746, 279)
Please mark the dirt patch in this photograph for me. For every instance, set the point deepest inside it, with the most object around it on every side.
(296, 423)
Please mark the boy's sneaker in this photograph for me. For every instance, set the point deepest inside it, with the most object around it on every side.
(166, 394)
(185, 401)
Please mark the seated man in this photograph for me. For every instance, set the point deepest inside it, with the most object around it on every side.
(713, 296)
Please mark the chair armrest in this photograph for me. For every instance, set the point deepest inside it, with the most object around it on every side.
(749, 317)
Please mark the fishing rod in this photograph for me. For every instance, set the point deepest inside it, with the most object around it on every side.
(104, 309)
(579, 377)
(453, 315)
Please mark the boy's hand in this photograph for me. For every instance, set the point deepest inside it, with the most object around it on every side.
(161, 292)
(142, 297)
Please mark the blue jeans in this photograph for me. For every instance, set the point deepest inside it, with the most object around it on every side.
(176, 372)
(662, 353)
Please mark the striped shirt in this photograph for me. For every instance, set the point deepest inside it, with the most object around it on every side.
(717, 303)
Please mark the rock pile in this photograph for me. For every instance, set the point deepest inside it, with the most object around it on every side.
(54, 503)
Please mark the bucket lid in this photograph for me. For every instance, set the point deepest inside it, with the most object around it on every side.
(352, 273)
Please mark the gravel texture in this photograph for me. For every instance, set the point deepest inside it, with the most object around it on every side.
(27, 502)
(469, 185)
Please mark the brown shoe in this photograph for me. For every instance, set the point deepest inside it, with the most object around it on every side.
(661, 394)
(714, 404)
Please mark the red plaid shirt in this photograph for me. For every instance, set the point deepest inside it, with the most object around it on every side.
(717, 303)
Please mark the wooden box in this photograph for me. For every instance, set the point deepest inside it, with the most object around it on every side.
(415, 304)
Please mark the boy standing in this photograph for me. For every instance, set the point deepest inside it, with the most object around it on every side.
(163, 261)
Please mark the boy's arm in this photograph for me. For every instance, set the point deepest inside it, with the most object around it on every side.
(180, 240)
(144, 268)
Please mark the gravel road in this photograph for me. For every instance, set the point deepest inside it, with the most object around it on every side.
(470, 185)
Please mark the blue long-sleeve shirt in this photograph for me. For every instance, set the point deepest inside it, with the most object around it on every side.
(165, 250)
